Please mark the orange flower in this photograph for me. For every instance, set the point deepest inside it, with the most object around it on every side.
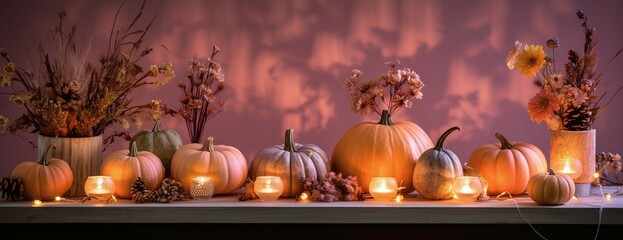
(542, 106)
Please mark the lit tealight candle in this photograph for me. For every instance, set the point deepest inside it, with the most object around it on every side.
(268, 188)
(570, 167)
(467, 188)
(383, 188)
(36, 203)
(101, 187)
(202, 188)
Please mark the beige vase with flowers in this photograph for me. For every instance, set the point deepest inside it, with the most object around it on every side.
(83, 154)
(573, 153)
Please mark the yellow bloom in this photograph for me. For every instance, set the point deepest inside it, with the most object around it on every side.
(154, 71)
(137, 122)
(124, 123)
(530, 60)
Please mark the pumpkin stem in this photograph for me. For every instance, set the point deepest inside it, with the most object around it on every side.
(551, 172)
(208, 145)
(386, 118)
(439, 145)
(133, 149)
(44, 157)
(505, 143)
(289, 141)
(156, 126)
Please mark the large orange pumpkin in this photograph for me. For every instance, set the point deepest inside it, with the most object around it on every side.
(46, 179)
(383, 149)
(507, 166)
(125, 165)
(225, 165)
(291, 162)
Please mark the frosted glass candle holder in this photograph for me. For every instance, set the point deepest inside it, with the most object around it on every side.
(202, 188)
(268, 188)
(383, 188)
(101, 187)
(467, 189)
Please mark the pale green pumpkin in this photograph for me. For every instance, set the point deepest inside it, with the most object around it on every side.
(436, 169)
(162, 143)
(291, 162)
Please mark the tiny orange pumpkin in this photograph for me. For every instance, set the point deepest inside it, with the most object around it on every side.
(551, 189)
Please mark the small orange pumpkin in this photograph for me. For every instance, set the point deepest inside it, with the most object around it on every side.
(507, 166)
(225, 165)
(125, 165)
(46, 179)
(551, 189)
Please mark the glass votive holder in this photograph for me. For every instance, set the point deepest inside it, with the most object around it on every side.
(383, 188)
(567, 166)
(101, 187)
(202, 188)
(466, 188)
(268, 188)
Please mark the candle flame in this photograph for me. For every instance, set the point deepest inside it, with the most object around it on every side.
(303, 196)
(100, 184)
(202, 179)
(567, 168)
(36, 203)
(268, 186)
(466, 188)
(399, 198)
(596, 175)
(58, 198)
(383, 186)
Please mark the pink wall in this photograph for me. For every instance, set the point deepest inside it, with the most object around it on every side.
(285, 62)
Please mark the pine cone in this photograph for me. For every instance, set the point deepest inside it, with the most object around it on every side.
(11, 188)
(169, 191)
(249, 193)
(139, 185)
(578, 118)
(141, 197)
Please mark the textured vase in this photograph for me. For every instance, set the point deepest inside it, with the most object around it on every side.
(575, 146)
(83, 154)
